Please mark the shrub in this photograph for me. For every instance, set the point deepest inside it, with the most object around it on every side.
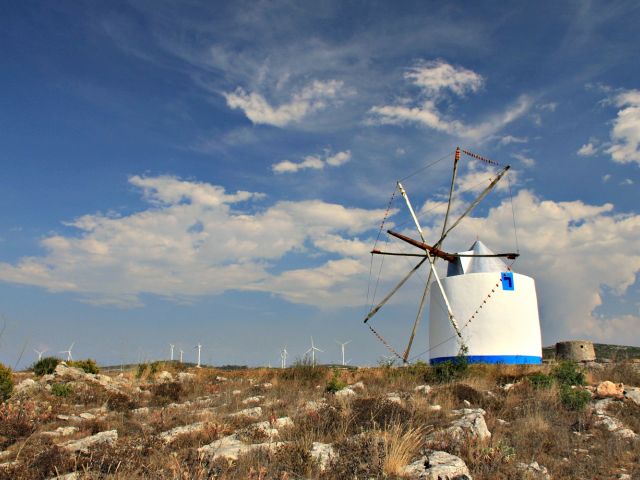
(167, 392)
(61, 390)
(6, 382)
(574, 399)
(142, 367)
(335, 384)
(539, 380)
(568, 374)
(304, 371)
(450, 370)
(88, 365)
(45, 366)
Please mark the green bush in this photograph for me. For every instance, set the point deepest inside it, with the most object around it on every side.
(61, 390)
(539, 380)
(568, 374)
(304, 371)
(450, 370)
(335, 384)
(88, 365)
(6, 382)
(142, 367)
(574, 398)
(45, 366)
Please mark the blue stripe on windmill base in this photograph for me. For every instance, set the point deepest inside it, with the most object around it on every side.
(505, 359)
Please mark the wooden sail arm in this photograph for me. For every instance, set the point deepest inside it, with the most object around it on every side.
(510, 256)
(436, 252)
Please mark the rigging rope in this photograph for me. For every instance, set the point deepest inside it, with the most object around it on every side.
(385, 343)
(513, 213)
(482, 159)
(425, 167)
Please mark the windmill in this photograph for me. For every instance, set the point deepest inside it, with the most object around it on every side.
(181, 353)
(171, 346)
(39, 353)
(68, 352)
(458, 265)
(342, 345)
(313, 350)
(199, 347)
(283, 357)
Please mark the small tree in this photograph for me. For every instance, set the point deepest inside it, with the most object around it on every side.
(88, 366)
(6, 382)
(45, 366)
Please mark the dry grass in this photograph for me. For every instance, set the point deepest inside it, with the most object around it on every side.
(400, 446)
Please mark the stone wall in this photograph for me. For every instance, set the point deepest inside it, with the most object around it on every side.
(575, 350)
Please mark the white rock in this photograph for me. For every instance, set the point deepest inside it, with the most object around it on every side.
(471, 424)
(186, 377)
(255, 412)
(170, 435)
(508, 386)
(438, 466)
(62, 370)
(357, 386)
(323, 453)
(345, 393)
(236, 392)
(615, 426)
(283, 422)
(87, 416)
(633, 393)
(315, 405)
(502, 422)
(534, 471)
(83, 445)
(221, 379)
(424, 389)
(164, 377)
(230, 448)
(265, 428)
(68, 476)
(267, 386)
(61, 432)
(435, 408)
(26, 385)
(256, 399)
(394, 398)
(141, 411)
(467, 403)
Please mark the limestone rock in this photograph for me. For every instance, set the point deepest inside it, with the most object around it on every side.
(164, 377)
(615, 426)
(186, 377)
(61, 432)
(83, 445)
(170, 435)
(424, 389)
(256, 399)
(221, 379)
(534, 471)
(345, 393)
(393, 397)
(633, 393)
(470, 424)
(323, 453)
(64, 371)
(230, 448)
(236, 392)
(255, 412)
(357, 386)
(435, 408)
(87, 416)
(315, 405)
(26, 385)
(609, 389)
(438, 466)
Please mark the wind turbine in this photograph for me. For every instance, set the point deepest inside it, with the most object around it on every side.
(181, 353)
(313, 352)
(39, 353)
(68, 352)
(199, 347)
(342, 345)
(171, 345)
(283, 357)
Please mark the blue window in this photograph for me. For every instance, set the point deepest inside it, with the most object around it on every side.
(507, 281)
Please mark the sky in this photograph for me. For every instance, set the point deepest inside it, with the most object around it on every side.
(217, 172)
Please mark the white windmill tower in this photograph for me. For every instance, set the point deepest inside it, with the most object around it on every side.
(171, 346)
(39, 353)
(313, 351)
(199, 347)
(283, 357)
(497, 307)
(68, 352)
(181, 354)
(342, 345)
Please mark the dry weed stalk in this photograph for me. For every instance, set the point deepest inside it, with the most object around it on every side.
(401, 445)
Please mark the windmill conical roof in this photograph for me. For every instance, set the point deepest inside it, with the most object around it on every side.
(464, 265)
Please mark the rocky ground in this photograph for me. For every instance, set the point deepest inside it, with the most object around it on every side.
(312, 422)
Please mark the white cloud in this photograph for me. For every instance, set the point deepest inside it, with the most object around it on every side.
(549, 107)
(587, 150)
(312, 162)
(525, 160)
(437, 76)
(627, 181)
(435, 79)
(196, 239)
(509, 139)
(625, 135)
(606, 177)
(310, 99)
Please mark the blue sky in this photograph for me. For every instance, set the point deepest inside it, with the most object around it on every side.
(216, 172)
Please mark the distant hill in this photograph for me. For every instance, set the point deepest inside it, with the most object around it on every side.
(603, 350)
